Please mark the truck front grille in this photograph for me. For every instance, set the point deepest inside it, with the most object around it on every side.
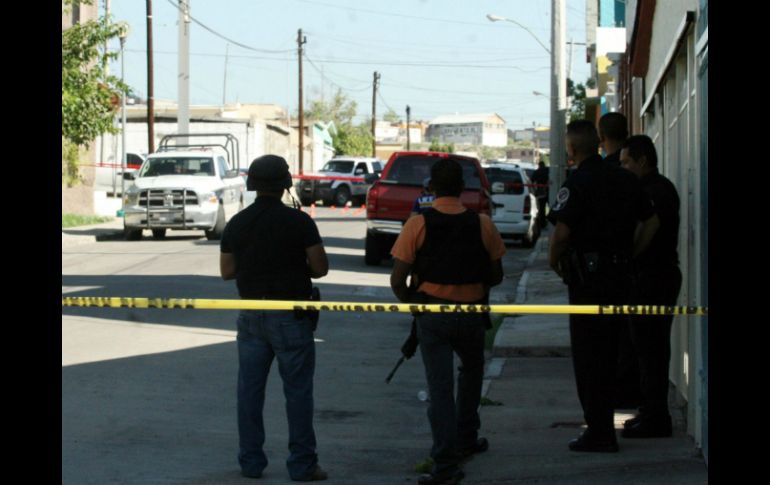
(167, 198)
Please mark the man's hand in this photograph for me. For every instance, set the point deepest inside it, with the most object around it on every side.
(398, 279)
(558, 244)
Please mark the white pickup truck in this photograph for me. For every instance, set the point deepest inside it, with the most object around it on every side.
(341, 179)
(181, 187)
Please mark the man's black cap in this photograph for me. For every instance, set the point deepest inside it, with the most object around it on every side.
(269, 173)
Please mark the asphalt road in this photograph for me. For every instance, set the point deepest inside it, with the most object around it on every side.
(148, 396)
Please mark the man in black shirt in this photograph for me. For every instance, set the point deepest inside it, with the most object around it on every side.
(596, 214)
(540, 178)
(613, 131)
(272, 251)
(658, 281)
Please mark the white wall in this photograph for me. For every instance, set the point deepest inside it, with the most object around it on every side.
(672, 123)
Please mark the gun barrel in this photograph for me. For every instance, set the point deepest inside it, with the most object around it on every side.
(390, 376)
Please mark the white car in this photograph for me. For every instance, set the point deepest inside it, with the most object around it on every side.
(515, 204)
(339, 192)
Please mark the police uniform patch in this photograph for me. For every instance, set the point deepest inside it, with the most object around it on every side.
(561, 198)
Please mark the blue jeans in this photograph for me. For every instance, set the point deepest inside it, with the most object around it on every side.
(263, 335)
(454, 424)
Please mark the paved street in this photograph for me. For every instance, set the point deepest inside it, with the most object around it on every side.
(148, 396)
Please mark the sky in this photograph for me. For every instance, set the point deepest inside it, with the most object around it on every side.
(437, 56)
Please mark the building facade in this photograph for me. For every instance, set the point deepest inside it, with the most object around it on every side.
(486, 129)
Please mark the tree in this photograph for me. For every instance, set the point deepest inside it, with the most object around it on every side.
(391, 116)
(88, 94)
(435, 146)
(578, 94)
(350, 139)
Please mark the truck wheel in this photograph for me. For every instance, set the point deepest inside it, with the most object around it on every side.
(306, 201)
(215, 234)
(341, 195)
(132, 234)
(373, 250)
(358, 200)
(158, 233)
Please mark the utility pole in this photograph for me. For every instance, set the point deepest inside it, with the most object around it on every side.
(374, 111)
(150, 92)
(558, 97)
(183, 81)
(408, 112)
(106, 66)
(300, 40)
(224, 83)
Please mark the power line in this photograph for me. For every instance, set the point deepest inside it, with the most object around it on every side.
(390, 14)
(235, 42)
(423, 64)
(318, 70)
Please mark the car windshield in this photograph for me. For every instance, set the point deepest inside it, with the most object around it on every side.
(342, 166)
(203, 166)
(413, 169)
(510, 178)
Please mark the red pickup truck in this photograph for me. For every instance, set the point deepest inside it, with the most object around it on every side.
(390, 199)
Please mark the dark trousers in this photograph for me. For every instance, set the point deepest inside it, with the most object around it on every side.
(594, 341)
(651, 337)
(541, 202)
(454, 423)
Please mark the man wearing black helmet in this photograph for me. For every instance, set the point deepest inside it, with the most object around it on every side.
(272, 251)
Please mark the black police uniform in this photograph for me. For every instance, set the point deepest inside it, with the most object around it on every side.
(628, 395)
(613, 159)
(658, 281)
(602, 207)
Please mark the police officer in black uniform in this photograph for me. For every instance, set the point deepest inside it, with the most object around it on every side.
(658, 281)
(596, 213)
(613, 131)
(272, 251)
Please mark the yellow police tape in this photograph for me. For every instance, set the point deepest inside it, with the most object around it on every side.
(339, 306)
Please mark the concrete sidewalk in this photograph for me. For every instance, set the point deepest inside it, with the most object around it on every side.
(531, 375)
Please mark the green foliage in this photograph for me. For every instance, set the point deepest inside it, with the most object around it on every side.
(391, 116)
(72, 220)
(435, 146)
(69, 156)
(89, 98)
(350, 139)
(340, 109)
(353, 140)
(578, 94)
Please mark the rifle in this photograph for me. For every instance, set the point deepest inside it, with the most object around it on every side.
(407, 349)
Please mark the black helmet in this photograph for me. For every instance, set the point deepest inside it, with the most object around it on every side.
(269, 173)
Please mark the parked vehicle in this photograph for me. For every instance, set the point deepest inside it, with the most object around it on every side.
(108, 175)
(339, 192)
(185, 186)
(390, 199)
(516, 205)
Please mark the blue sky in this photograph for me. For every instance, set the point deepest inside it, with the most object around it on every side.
(440, 57)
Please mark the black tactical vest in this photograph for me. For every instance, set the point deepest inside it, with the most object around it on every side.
(453, 252)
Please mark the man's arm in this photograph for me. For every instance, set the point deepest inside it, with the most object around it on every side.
(317, 261)
(558, 244)
(496, 274)
(227, 266)
(398, 279)
(644, 234)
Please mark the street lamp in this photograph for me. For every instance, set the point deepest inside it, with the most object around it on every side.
(496, 18)
(558, 87)
(124, 29)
